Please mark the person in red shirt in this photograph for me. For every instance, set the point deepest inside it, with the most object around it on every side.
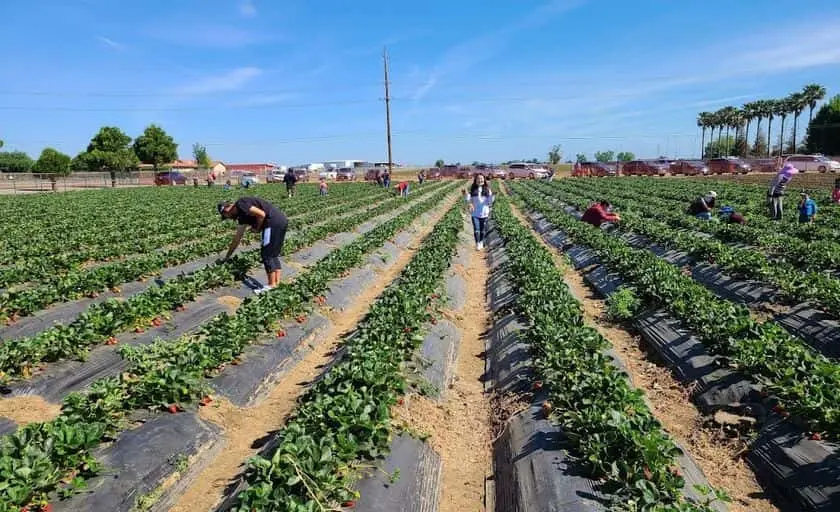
(835, 194)
(599, 213)
(402, 188)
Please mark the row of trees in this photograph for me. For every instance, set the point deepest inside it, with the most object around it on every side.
(109, 150)
(739, 121)
(607, 156)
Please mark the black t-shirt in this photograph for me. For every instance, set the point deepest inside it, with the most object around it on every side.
(290, 178)
(272, 214)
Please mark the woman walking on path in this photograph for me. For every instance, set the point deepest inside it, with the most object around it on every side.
(479, 197)
(777, 190)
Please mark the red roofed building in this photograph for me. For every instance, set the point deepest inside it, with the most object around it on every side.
(262, 168)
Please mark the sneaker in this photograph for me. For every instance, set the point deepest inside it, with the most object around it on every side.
(478, 246)
(264, 289)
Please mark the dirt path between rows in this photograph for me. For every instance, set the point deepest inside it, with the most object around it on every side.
(24, 410)
(243, 427)
(459, 426)
(718, 457)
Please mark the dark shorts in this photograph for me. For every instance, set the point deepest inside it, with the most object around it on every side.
(273, 237)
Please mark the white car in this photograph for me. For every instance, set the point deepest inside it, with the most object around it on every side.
(248, 178)
(817, 163)
(328, 174)
(276, 176)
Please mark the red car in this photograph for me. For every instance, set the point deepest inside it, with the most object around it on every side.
(170, 178)
(689, 168)
(599, 169)
(644, 168)
(346, 174)
(449, 171)
(434, 174)
(728, 165)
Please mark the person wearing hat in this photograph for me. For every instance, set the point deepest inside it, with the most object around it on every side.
(263, 217)
(777, 190)
(807, 208)
(702, 206)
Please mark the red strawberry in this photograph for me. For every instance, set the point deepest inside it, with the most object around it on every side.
(407, 329)
(111, 341)
(47, 508)
(816, 436)
(179, 308)
(300, 319)
(538, 384)
(348, 504)
(236, 361)
(206, 400)
(675, 471)
(281, 333)
(400, 401)
(434, 321)
(156, 322)
(546, 408)
(138, 329)
(648, 474)
(173, 408)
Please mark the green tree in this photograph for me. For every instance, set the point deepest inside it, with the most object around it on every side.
(580, 158)
(813, 93)
(1, 143)
(439, 162)
(759, 148)
(625, 156)
(555, 155)
(15, 161)
(155, 147)
(720, 147)
(823, 130)
(52, 161)
(605, 156)
(202, 159)
(109, 150)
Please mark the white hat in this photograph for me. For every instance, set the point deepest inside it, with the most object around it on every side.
(712, 194)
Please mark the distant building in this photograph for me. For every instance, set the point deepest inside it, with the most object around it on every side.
(340, 164)
(185, 166)
(257, 168)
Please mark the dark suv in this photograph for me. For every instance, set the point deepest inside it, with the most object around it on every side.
(170, 178)
(728, 165)
(644, 168)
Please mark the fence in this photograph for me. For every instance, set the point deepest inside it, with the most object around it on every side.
(26, 183)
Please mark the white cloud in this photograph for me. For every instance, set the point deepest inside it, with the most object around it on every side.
(247, 9)
(225, 82)
(110, 43)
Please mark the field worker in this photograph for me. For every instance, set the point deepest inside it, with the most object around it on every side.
(703, 205)
(479, 197)
(599, 213)
(264, 218)
(386, 179)
(835, 194)
(402, 188)
(730, 216)
(290, 179)
(777, 190)
(807, 209)
(421, 176)
(227, 185)
(322, 187)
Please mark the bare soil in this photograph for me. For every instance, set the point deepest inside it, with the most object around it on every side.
(244, 428)
(716, 455)
(28, 409)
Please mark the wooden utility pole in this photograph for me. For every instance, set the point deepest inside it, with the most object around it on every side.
(387, 110)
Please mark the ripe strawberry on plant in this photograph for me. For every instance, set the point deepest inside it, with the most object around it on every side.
(348, 504)
(816, 436)
(173, 408)
(300, 319)
(111, 340)
(156, 321)
(206, 400)
(139, 330)
(281, 333)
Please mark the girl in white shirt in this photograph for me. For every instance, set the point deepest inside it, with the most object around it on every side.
(479, 197)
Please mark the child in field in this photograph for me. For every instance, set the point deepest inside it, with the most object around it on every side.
(807, 209)
(322, 187)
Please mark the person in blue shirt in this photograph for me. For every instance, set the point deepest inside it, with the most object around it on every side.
(807, 209)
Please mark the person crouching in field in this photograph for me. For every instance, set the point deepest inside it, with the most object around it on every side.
(835, 194)
(402, 189)
(730, 216)
(807, 209)
(599, 214)
(703, 205)
(264, 218)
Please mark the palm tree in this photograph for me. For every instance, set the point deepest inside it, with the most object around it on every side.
(750, 112)
(720, 122)
(813, 93)
(703, 123)
(729, 116)
(783, 108)
(769, 109)
(758, 114)
(798, 102)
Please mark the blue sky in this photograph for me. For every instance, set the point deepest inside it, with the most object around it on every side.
(291, 81)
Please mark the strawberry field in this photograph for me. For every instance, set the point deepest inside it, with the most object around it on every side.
(399, 367)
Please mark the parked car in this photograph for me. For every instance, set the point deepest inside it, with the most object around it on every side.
(644, 168)
(817, 163)
(689, 168)
(346, 174)
(599, 169)
(170, 178)
(328, 174)
(450, 171)
(248, 178)
(763, 164)
(302, 173)
(465, 173)
(434, 173)
(275, 176)
(728, 165)
(497, 173)
(523, 170)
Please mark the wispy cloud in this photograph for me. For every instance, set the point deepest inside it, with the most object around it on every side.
(210, 36)
(471, 52)
(247, 9)
(233, 80)
(110, 43)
